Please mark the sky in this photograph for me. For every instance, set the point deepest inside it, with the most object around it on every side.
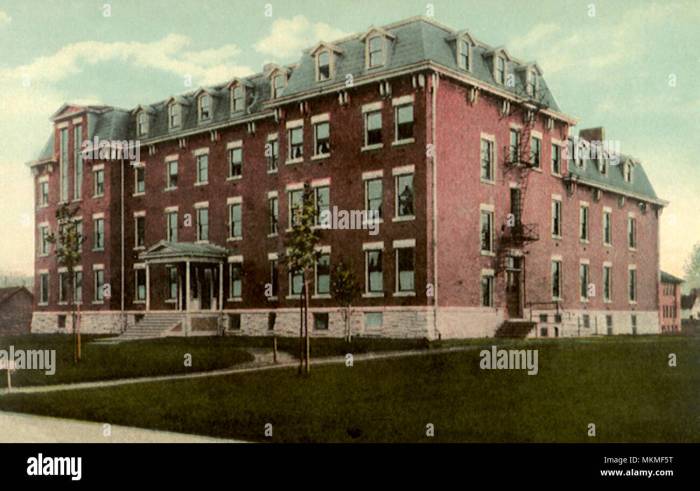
(631, 66)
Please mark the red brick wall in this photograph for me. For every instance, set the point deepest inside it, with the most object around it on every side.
(670, 307)
(16, 314)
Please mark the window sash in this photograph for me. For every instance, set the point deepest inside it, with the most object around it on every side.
(486, 159)
(487, 231)
(404, 195)
(171, 226)
(405, 269)
(374, 196)
(202, 168)
(373, 128)
(202, 224)
(323, 274)
(487, 291)
(404, 122)
(296, 143)
(235, 160)
(235, 221)
(556, 279)
(273, 210)
(375, 271)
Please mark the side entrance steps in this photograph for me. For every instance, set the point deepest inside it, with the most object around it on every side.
(151, 326)
(515, 328)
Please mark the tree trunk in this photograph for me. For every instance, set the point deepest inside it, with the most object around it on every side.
(306, 322)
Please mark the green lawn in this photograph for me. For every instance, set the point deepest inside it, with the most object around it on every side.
(131, 359)
(623, 385)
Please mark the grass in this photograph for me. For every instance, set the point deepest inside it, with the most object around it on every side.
(132, 359)
(623, 385)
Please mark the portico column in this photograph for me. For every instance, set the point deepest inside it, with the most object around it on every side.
(148, 287)
(221, 286)
(187, 286)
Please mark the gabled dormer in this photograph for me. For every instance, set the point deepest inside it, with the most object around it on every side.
(498, 59)
(142, 115)
(324, 55)
(530, 74)
(628, 170)
(463, 47)
(205, 104)
(377, 45)
(175, 107)
(239, 91)
(278, 77)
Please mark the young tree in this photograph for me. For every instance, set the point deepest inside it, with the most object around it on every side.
(692, 269)
(301, 258)
(68, 242)
(345, 290)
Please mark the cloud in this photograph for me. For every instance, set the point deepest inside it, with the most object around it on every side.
(169, 54)
(4, 18)
(288, 37)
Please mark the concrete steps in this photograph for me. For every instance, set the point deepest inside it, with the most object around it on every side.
(151, 326)
(515, 328)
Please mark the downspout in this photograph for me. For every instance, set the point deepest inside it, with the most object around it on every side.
(433, 89)
(121, 288)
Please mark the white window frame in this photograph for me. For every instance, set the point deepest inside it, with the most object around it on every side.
(399, 245)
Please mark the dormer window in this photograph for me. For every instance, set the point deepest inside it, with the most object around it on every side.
(142, 123)
(500, 70)
(603, 167)
(323, 68)
(174, 115)
(204, 107)
(627, 172)
(531, 86)
(237, 98)
(279, 82)
(375, 51)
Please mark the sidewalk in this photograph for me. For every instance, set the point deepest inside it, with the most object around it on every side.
(26, 428)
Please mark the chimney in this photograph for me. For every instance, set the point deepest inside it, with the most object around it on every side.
(592, 134)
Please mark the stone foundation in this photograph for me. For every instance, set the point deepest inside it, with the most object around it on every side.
(111, 322)
(573, 323)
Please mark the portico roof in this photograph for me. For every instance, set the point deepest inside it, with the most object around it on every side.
(165, 251)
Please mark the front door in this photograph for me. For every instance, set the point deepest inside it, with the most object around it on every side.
(207, 288)
(513, 281)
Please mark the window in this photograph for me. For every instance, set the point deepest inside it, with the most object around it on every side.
(171, 226)
(99, 234)
(607, 227)
(79, 231)
(632, 287)
(631, 232)
(586, 321)
(609, 324)
(486, 160)
(99, 178)
(62, 286)
(172, 283)
(140, 232)
(374, 320)
(514, 148)
(486, 290)
(486, 231)
(44, 288)
(99, 281)
(235, 162)
(296, 143)
(627, 172)
(583, 223)
(139, 180)
(375, 51)
(142, 123)
(237, 98)
(531, 83)
(140, 287)
(63, 164)
(321, 201)
(373, 197)
(535, 151)
(463, 48)
(44, 193)
(273, 214)
(373, 128)
(174, 116)
(607, 283)
(556, 218)
(500, 70)
(633, 321)
(202, 169)
(204, 107)
(272, 154)
(375, 274)
(171, 176)
(296, 283)
(77, 162)
(405, 269)
(278, 83)
(321, 321)
(43, 240)
(271, 320)
(295, 198)
(584, 280)
(603, 166)
(324, 66)
(323, 274)
(556, 279)
(234, 322)
(404, 122)
(274, 277)
(78, 286)
(235, 221)
(202, 224)
(556, 159)
(235, 280)
(404, 195)
(322, 138)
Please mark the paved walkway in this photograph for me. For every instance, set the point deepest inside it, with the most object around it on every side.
(263, 362)
(27, 428)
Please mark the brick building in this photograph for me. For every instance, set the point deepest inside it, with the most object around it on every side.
(460, 147)
(670, 302)
(15, 310)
